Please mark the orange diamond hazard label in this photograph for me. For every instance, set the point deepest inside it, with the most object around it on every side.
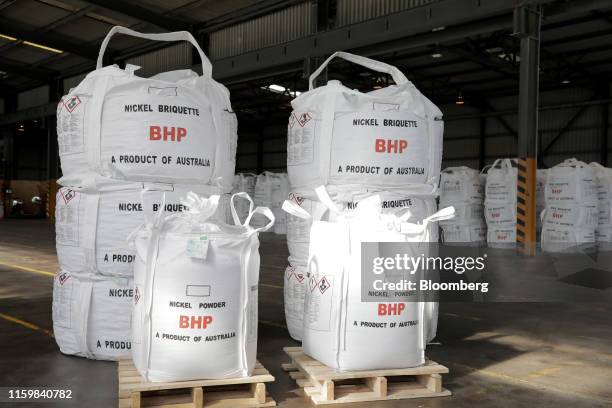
(296, 198)
(68, 195)
(300, 277)
(72, 103)
(292, 120)
(62, 278)
(323, 285)
(312, 283)
(136, 295)
(304, 119)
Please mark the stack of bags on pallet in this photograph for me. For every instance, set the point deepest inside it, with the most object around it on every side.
(195, 293)
(129, 146)
(500, 203)
(271, 190)
(345, 149)
(603, 232)
(463, 188)
(571, 214)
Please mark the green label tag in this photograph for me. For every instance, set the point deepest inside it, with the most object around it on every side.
(198, 247)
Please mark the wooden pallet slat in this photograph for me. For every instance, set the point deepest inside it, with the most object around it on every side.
(242, 392)
(324, 385)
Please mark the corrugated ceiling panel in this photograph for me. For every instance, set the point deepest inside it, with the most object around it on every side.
(275, 28)
(355, 11)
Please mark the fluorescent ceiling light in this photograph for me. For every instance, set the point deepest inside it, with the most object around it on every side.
(33, 44)
(43, 47)
(277, 88)
(436, 55)
(8, 37)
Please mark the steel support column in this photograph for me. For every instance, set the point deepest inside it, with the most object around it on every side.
(527, 24)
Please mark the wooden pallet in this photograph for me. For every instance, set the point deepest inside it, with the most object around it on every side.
(324, 385)
(135, 392)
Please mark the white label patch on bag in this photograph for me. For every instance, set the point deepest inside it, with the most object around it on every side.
(300, 138)
(198, 247)
(70, 124)
(62, 301)
(389, 147)
(67, 218)
(252, 313)
(318, 313)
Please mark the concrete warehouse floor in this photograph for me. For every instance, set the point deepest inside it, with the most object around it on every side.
(501, 355)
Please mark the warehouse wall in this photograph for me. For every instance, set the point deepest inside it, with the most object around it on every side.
(581, 140)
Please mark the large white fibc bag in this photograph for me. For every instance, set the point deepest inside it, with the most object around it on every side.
(461, 185)
(501, 182)
(501, 236)
(390, 137)
(195, 299)
(340, 330)
(566, 239)
(604, 204)
(175, 127)
(92, 315)
(572, 182)
(458, 233)
(392, 201)
(91, 229)
(294, 289)
(280, 190)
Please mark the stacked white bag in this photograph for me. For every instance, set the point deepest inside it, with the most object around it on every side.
(126, 142)
(340, 330)
(571, 215)
(271, 190)
(387, 142)
(195, 302)
(244, 182)
(298, 236)
(500, 203)
(603, 232)
(463, 188)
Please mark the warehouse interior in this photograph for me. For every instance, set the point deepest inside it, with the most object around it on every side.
(467, 56)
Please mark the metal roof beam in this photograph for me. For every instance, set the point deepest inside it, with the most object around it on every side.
(162, 20)
(47, 39)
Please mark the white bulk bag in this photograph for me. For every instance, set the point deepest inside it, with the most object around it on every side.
(466, 214)
(564, 239)
(333, 304)
(280, 191)
(458, 233)
(91, 229)
(501, 182)
(392, 201)
(571, 215)
(195, 303)
(501, 236)
(571, 181)
(461, 185)
(391, 137)
(294, 288)
(92, 315)
(175, 127)
(500, 214)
